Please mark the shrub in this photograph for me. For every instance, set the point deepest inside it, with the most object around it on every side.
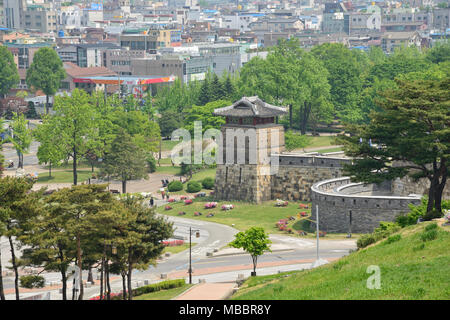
(383, 231)
(432, 226)
(193, 186)
(32, 281)
(208, 183)
(365, 240)
(420, 211)
(165, 285)
(429, 235)
(151, 163)
(175, 186)
(392, 239)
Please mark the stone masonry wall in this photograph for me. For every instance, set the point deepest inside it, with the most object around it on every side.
(406, 186)
(294, 182)
(342, 212)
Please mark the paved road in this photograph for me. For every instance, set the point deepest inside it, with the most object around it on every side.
(298, 254)
(212, 236)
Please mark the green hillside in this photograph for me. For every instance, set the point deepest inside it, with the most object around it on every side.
(414, 264)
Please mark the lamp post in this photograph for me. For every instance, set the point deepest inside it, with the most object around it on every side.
(197, 235)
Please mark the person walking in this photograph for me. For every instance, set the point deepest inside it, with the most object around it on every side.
(152, 202)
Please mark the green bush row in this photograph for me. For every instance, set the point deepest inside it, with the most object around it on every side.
(418, 211)
(208, 183)
(383, 231)
(164, 285)
(193, 186)
(175, 186)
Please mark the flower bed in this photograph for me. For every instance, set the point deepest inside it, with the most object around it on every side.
(303, 206)
(167, 208)
(200, 194)
(282, 224)
(227, 207)
(112, 295)
(210, 205)
(281, 203)
(196, 213)
(181, 213)
(188, 201)
(172, 243)
(322, 233)
(171, 200)
(183, 198)
(303, 213)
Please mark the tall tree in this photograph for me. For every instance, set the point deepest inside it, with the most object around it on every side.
(217, 91)
(204, 115)
(2, 141)
(50, 150)
(205, 93)
(16, 207)
(46, 73)
(9, 75)
(345, 71)
(49, 244)
(75, 122)
(169, 122)
(144, 237)
(229, 88)
(21, 136)
(409, 136)
(125, 161)
(81, 204)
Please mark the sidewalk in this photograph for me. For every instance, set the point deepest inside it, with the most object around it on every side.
(222, 284)
(208, 291)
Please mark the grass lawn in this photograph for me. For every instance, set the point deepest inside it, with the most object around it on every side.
(243, 216)
(63, 176)
(198, 176)
(177, 249)
(320, 141)
(168, 170)
(164, 294)
(164, 161)
(410, 269)
(167, 145)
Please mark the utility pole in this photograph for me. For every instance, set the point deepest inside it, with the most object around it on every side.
(197, 234)
(318, 261)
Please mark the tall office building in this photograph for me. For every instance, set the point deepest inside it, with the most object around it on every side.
(13, 13)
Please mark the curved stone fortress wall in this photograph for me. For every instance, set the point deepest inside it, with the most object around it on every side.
(356, 207)
(297, 173)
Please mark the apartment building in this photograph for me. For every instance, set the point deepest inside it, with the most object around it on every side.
(40, 19)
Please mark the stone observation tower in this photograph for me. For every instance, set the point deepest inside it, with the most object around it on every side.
(249, 137)
(253, 167)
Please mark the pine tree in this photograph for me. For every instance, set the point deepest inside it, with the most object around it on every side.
(409, 136)
(229, 88)
(125, 161)
(204, 96)
(216, 88)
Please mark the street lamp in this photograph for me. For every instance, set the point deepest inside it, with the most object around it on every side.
(197, 235)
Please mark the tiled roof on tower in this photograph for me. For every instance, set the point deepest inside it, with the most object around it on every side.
(250, 107)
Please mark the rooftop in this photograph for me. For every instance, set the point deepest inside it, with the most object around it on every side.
(250, 107)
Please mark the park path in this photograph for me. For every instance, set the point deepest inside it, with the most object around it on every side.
(208, 291)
